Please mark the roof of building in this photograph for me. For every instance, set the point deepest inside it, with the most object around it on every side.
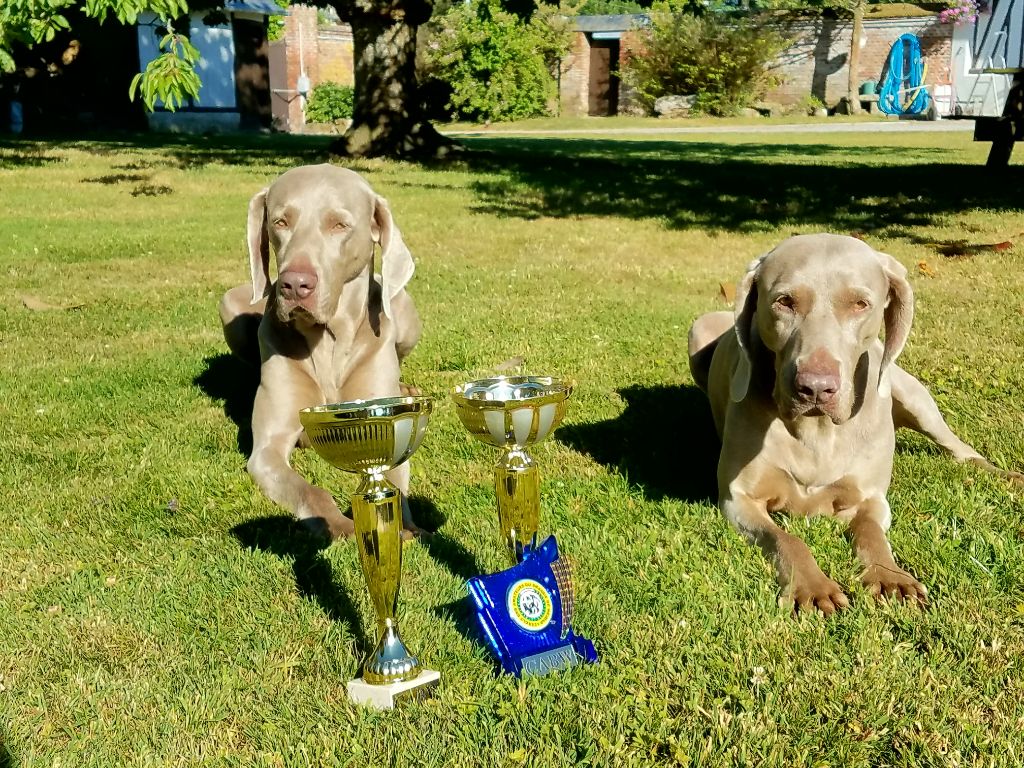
(615, 23)
(265, 7)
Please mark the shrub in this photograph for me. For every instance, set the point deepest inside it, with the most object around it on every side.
(496, 66)
(329, 102)
(724, 62)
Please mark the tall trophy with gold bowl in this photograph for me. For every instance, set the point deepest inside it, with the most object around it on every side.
(370, 437)
(526, 611)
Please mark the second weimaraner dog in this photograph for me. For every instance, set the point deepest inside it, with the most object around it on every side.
(327, 329)
(806, 400)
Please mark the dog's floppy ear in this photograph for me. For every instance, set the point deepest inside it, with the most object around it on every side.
(899, 314)
(396, 265)
(744, 312)
(259, 245)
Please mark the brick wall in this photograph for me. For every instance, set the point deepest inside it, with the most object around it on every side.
(326, 55)
(575, 78)
(817, 63)
(335, 47)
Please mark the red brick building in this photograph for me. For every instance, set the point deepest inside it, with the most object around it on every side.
(310, 46)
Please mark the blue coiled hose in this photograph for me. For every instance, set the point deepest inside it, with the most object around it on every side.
(902, 90)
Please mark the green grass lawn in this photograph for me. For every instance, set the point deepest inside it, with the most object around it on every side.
(156, 609)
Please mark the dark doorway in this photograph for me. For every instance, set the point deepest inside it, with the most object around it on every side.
(252, 72)
(604, 78)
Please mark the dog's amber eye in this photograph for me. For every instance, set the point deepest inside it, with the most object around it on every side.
(280, 224)
(339, 226)
(785, 302)
(860, 305)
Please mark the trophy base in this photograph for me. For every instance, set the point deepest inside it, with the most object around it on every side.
(525, 614)
(391, 695)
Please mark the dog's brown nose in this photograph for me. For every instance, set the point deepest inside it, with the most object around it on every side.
(817, 387)
(817, 378)
(296, 286)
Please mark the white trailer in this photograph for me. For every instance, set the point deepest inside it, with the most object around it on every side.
(988, 77)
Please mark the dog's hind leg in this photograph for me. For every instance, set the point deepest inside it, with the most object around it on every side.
(241, 319)
(704, 336)
(914, 407)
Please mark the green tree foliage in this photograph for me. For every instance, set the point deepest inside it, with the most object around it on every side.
(612, 7)
(170, 77)
(496, 65)
(329, 102)
(724, 61)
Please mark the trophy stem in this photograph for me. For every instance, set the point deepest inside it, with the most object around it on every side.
(517, 486)
(377, 512)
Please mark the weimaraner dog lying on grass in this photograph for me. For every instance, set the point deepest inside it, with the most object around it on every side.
(328, 329)
(806, 400)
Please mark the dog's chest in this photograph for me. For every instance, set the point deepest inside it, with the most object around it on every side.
(808, 480)
(330, 359)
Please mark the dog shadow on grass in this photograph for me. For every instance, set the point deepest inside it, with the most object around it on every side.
(664, 442)
(234, 381)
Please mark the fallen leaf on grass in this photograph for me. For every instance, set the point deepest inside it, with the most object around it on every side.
(925, 268)
(53, 610)
(110, 581)
(727, 291)
(38, 305)
(511, 363)
(172, 506)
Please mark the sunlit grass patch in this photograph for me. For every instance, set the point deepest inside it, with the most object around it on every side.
(158, 610)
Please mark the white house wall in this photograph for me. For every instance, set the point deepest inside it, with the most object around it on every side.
(978, 93)
(217, 66)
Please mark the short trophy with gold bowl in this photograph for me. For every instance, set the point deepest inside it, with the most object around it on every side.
(525, 611)
(370, 437)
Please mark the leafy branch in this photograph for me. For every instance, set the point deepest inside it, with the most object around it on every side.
(171, 76)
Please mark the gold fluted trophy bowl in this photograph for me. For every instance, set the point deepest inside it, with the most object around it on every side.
(370, 437)
(512, 413)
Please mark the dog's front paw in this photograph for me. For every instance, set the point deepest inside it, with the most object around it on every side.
(409, 390)
(412, 531)
(321, 516)
(895, 583)
(815, 592)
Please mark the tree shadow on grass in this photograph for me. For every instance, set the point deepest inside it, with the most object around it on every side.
(664, 442)
(734, 187)
(314, 577)
(234, 381)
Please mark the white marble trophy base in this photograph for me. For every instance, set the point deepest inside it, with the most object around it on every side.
(387, 696)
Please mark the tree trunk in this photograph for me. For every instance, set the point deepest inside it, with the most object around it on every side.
(854, 62)
(387, 115)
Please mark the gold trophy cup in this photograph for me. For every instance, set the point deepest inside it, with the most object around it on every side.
(369, 437)
(511, 413)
